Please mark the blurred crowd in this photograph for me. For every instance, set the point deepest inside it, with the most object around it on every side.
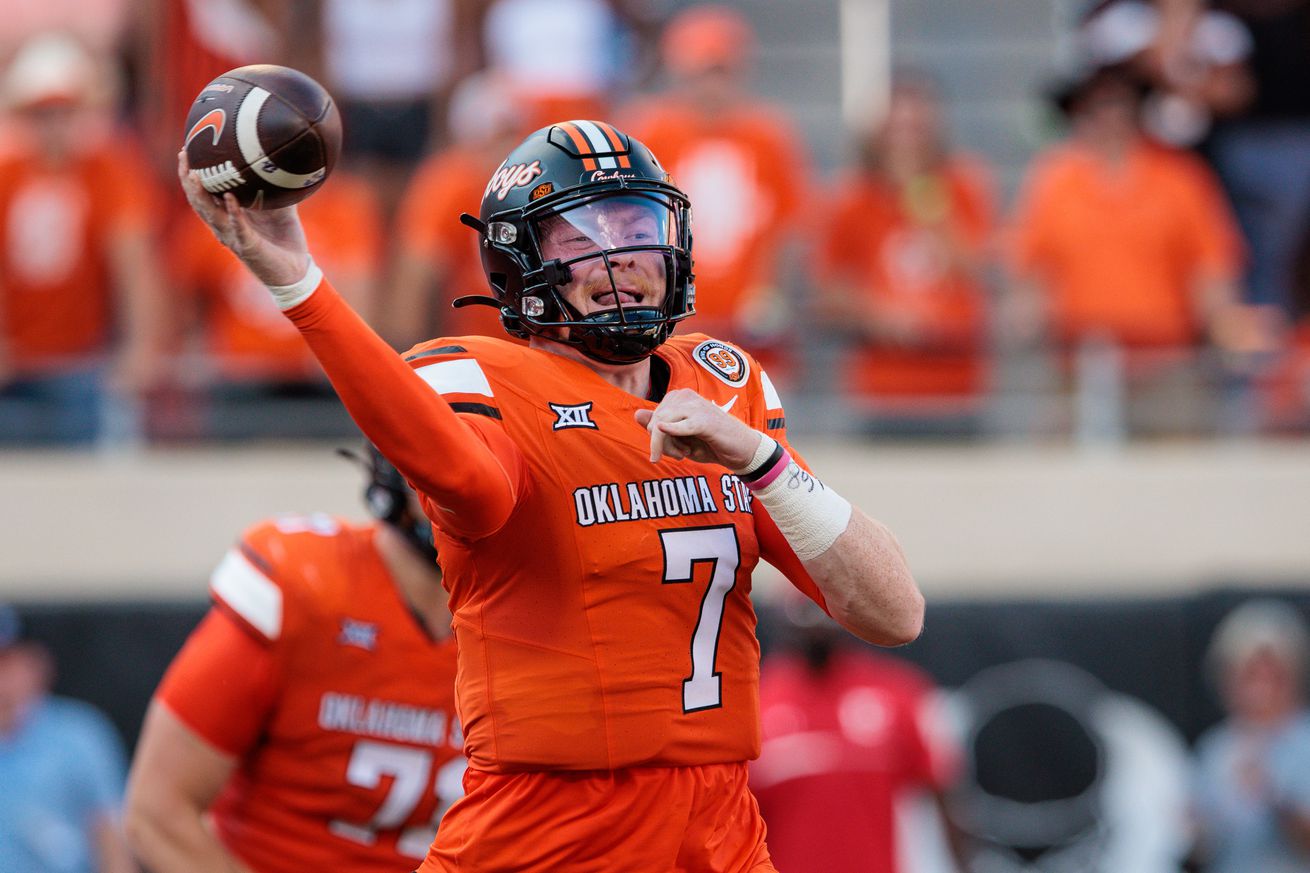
(1150, 277)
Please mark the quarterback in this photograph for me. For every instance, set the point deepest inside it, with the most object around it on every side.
(309, 721)
(600, 497)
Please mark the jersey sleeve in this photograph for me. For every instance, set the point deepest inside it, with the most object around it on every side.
(447, 460)
(252, 624)
(223, 684)
(452, 372)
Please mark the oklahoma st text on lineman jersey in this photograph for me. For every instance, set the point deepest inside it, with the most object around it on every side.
(630, 639)
(338, 706)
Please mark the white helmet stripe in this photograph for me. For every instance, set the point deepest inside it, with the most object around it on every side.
(253, 151)
(598, 143)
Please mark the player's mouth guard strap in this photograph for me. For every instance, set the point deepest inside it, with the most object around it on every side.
(809, 514)
(287, 296)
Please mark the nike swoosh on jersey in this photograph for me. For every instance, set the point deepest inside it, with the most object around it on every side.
(726, 406)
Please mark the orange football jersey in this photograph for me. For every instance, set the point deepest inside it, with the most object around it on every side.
(347, 742)
(608, 622)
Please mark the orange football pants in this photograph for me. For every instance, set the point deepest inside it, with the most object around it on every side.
(638, 820)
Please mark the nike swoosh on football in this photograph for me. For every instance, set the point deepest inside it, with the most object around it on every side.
(215, 119)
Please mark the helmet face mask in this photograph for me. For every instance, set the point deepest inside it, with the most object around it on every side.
(560, 222)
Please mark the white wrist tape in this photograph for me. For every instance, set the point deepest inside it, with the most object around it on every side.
(762, 454)
(287, 296)
(808, 513)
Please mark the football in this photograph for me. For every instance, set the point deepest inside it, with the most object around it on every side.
(268, 134)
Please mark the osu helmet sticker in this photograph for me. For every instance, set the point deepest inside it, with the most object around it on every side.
(726, 363)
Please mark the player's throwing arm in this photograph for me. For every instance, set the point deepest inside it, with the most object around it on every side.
(855, 560)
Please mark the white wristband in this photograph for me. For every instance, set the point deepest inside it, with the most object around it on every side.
(287, 296)
(808, 513)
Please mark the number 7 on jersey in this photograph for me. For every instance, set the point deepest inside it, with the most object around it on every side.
(684, 548)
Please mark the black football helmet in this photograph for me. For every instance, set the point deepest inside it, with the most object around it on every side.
(583, 173)
(386, 494)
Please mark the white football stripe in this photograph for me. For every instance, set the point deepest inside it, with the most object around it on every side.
(253, 151)
(599, 143)
(461, 376)
(249, 593)
(771, 398)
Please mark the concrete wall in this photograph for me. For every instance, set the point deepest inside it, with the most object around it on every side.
(984, 522)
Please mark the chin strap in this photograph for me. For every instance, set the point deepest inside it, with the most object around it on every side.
(475, 300)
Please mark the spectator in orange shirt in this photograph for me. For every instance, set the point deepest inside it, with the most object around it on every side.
(901, 268)
(742, 164)
(1127, 239)
(79, 281)
(437, 258)
(1122, 243)
(250, 353)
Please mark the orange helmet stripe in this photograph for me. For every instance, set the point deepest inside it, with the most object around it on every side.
(580, 142)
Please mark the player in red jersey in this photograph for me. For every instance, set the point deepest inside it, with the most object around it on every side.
(851, 741)
(600, 497)
(310, 717)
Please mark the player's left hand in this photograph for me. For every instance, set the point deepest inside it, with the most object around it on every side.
(686, 425)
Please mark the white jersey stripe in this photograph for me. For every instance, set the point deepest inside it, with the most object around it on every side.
(771, 398)
(599, 143)
(461, 376)
(249, 593)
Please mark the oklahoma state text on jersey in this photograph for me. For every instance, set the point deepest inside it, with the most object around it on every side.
(314, 674)
(607, 623)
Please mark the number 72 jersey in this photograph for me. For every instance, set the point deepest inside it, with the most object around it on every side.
(336, 706)
(608, 623)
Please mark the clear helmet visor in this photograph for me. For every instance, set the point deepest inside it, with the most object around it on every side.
(630, 221)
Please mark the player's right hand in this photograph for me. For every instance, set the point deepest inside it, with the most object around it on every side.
(270, 242)
(686, 425)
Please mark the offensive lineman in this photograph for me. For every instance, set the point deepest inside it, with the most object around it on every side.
(309, 721)
(600, 498)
